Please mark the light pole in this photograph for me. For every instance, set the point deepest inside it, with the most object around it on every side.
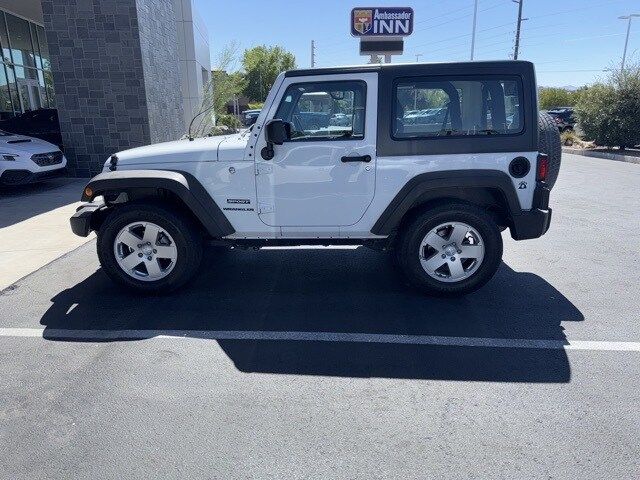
(418, 55)
(313, 54)
(626, 41)
(473, 31)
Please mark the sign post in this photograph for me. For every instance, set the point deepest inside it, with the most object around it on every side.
(381, 30)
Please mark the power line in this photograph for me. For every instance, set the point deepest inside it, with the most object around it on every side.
(344, 48)
(568, 40)
(562, 12)
(443, 15)
(510, 24)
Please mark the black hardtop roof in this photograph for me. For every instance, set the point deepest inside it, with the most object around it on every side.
(415, 68)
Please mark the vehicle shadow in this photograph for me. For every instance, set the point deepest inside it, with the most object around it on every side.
(346, 293)
(20, 202)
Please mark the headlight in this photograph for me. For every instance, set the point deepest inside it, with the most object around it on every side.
(9, 157)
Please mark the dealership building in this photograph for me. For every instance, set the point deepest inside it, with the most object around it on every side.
(121, 73)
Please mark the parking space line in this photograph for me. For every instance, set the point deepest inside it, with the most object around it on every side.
(113, 335)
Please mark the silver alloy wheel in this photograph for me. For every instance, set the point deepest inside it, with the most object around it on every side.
(451, 252)
(145, 251)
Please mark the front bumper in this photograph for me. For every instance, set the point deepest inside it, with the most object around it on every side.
(81, 223)
(21, 177)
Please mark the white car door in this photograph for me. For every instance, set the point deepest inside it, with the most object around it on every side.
(325, 175)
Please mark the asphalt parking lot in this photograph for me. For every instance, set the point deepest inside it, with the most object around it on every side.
(318, 363)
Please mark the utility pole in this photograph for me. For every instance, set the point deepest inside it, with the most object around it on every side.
(473, 32)
(517, 46)
(418, 55)
(313, 54)
(626, 42)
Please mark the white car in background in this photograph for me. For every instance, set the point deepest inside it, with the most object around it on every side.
(27, 159)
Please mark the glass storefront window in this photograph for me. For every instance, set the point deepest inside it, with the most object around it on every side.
(4, 40)
(20, 41)
(36, 47)
(23, 91)
(48, 86)
(6, 107)
(13, 89)
(44, 48)
(26, 82)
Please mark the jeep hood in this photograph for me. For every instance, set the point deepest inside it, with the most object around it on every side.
(209, 149)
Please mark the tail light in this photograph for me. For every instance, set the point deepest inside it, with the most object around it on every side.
(543, 167)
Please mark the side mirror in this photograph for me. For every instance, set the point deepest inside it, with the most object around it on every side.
(277, 132)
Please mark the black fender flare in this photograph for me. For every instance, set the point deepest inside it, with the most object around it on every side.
(184, 185)
(433, 185)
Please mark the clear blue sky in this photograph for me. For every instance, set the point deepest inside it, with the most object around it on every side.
(570, 41)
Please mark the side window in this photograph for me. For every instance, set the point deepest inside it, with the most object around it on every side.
(457, 107)
(324, 110)
(423, 109)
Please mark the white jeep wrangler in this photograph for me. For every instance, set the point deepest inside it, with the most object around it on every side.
(431, 161)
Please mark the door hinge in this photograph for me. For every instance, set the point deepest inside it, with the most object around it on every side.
(265, 208)
(264, 168)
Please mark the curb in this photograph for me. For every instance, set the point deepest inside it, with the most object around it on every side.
(605, 155)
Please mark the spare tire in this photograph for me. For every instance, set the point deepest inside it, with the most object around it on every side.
(549, 143)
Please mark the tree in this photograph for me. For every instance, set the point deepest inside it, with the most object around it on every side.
(550, 97)
(220, 88)
(608, 112)
(226, 86)
(261, 67)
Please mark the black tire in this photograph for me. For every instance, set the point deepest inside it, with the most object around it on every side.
(412, 234)
(186, 235)
(549, 143)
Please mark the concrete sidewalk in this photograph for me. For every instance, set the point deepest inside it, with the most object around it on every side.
(34, 226)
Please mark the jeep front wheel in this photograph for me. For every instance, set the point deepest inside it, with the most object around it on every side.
(148, 248)
(452, 249)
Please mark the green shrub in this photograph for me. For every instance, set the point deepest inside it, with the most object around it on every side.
(570, 138)
(230, 121)
(221, 130)
(551, 97)
(609, 113)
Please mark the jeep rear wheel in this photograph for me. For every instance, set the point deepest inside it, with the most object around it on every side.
(453, 249)
(149, 249)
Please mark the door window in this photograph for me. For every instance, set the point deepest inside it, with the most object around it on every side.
(324, 110)
(457, 107)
